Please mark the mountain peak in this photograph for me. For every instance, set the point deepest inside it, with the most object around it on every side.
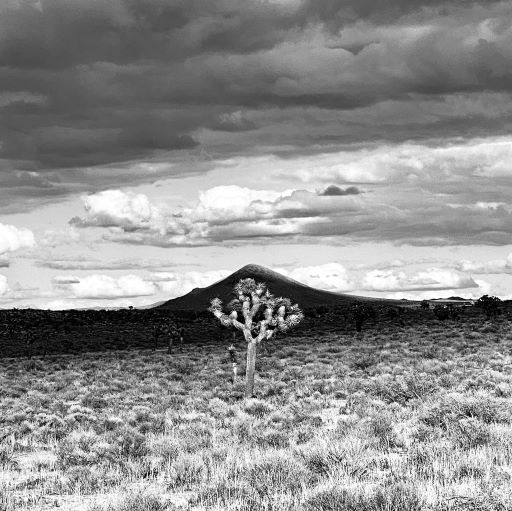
(255, 271)
(252, 267)
(279, 285)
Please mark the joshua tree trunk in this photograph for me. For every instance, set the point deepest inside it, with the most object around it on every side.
(250, 369)
(171, 342)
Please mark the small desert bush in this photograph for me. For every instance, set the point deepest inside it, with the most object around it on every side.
(351, 457)
(363, 361)
(188, 471)
(138, 502)
(229, 496)
(380, 426)
(404, 389)
(276, 473)
(391, 498)
(7, 456)
(470, 433)
(454, 407)
(257, 408)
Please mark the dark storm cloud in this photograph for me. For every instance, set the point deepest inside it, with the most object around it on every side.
(93, 83)
(333, 190)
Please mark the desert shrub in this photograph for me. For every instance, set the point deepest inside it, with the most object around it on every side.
(363, 361)
(128, 442)
(291, 373)
(380, 426)
(181, 369)
(323, 460)
(110, 423)
(304, 434)
(257, 408)
(420, 460)
(268, 364)
(402, 390)
(271, 438)
(95, 402)
(484, 502)
(7, 456)
(503, 390)
(139, 502)
(223, 494)
(84, 480)
(277, 473)
(187, 471)
(80, 415)
(218, 408)
(6, 503)
(469, 433)
(466, 470)
(450, 409)
(392, 498)
(195, 436)
(278, 388)
(77, 450)
(50, 426)
(152, 424)
(166, 447)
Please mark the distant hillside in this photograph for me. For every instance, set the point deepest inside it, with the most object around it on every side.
(199, 298)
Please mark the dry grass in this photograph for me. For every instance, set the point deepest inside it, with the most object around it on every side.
(399, 419)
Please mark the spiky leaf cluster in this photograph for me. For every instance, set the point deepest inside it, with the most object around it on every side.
(249, 286)
(256, 310)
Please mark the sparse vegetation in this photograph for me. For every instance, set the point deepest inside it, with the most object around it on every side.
(416, 418)
(490, 305)
(444, 312)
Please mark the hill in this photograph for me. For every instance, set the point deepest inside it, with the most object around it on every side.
(199, 298)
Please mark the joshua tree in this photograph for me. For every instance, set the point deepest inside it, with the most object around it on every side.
(454, 311)
(263, 315)
(169, 331)
(361, 313)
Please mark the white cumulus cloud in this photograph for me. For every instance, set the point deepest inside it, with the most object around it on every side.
(115, 208)
(13, 238)
(220, 213)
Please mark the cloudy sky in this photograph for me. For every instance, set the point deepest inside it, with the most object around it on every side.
(151, 146)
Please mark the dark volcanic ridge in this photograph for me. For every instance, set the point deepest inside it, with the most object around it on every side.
(199, 298)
